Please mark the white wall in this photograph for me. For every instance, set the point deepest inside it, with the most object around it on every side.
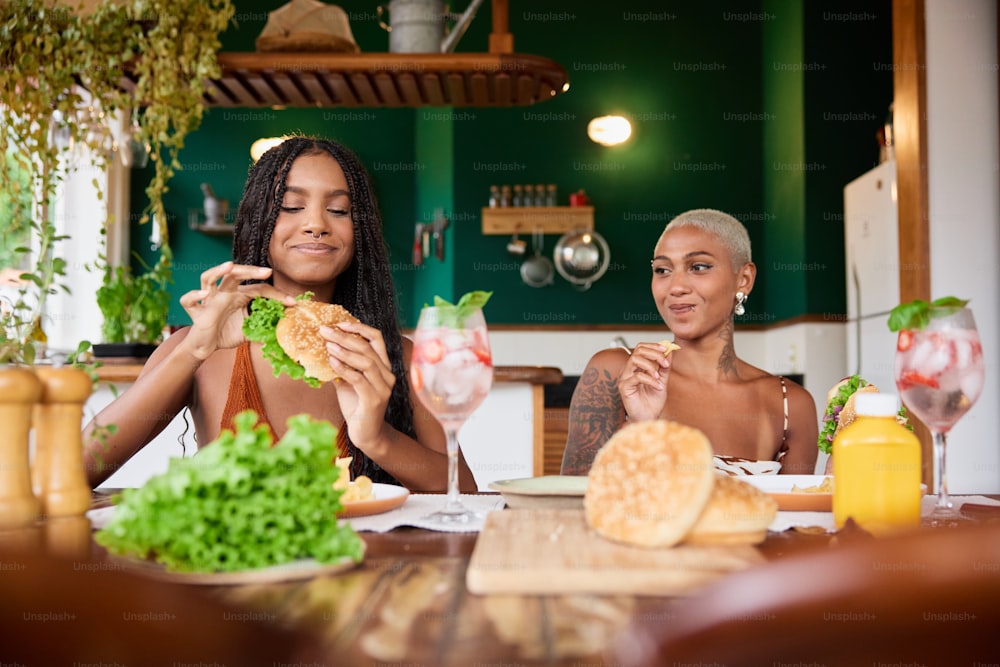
(965, 209)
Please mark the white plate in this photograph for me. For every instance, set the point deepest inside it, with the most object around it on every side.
(296, 570)
(779, 487)
(387, 497)
(547, 491)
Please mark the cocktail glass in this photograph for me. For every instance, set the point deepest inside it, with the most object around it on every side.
(940, 374)
(452, 372)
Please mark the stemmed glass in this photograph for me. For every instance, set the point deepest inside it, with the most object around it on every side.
(451, 371)
(939, 375)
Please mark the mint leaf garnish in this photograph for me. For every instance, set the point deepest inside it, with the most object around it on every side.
(918, 313)
(466, 305)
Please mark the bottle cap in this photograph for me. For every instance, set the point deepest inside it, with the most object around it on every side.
(874, 404)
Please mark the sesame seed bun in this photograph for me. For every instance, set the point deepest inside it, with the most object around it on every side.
(298, 335)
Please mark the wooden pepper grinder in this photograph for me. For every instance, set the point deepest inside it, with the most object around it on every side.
(68, 537)
(20, 389)
(62, 481)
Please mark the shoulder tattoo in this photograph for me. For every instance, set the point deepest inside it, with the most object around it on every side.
(594, 415)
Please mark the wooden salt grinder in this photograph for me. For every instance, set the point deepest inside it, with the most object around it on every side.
(20, 389)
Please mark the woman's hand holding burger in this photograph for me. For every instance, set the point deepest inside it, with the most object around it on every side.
(643, 382)
(219, 307)
(356, 353)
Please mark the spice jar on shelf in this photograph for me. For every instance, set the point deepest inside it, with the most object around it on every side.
(539, 195)
(505, 197)
(529, 196)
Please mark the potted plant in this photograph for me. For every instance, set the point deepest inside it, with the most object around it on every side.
(65, 74)
(134, 308)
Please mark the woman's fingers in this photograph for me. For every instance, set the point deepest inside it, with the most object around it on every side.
(370, 334)
(192, 298)
(640, 362)
(267, 291)
(228, 275)
(364, 361)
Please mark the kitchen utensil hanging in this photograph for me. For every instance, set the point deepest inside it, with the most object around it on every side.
(516, 246)
(537, 270)
(582, 257)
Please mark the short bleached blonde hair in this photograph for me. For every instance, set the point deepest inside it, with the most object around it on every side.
(728, 230)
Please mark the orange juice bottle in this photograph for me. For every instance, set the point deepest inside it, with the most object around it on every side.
(876, 469)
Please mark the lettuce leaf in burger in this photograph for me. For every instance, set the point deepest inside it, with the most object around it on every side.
(290, 338)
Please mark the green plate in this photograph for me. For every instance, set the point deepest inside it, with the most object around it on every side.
(547, 491)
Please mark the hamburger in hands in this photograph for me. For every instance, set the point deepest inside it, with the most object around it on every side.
(840, 409)
(290, 336)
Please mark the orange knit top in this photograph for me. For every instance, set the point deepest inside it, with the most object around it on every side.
(244, 394)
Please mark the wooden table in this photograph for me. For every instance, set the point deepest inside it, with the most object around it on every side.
(407, 603)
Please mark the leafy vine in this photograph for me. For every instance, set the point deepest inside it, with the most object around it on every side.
(65, 74)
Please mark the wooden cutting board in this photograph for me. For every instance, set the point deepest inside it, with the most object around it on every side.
(553, 551)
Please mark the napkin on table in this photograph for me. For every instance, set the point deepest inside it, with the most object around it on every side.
(418, 505)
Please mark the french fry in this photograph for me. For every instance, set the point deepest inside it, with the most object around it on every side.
(360, 489)
(826, 486)
(670, 345)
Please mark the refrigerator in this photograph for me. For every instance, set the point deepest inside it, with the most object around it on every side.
(871, 236)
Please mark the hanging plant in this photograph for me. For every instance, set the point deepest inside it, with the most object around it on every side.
(65, 74)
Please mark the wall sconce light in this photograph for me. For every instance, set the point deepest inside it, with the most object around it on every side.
(609, 130)
(263, 145)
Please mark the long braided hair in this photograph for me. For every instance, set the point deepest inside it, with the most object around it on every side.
(365, 288)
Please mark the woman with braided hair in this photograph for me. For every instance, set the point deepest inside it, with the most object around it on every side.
(308, 221)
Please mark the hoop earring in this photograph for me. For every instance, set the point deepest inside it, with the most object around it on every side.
(740, 298)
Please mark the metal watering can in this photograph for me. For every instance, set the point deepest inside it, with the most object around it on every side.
(421, 26)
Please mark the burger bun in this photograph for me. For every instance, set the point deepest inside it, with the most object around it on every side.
(649, 483)
(298, 335)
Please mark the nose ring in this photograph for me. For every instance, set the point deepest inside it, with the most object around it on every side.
(318, 236)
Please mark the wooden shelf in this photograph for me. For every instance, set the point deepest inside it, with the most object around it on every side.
(214, 230)
(382, 80)
(526, 219)
(196, 221)
(499, 78)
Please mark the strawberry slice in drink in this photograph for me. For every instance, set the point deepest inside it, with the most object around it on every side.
(430, 351)
(911, 378)
(905, 341)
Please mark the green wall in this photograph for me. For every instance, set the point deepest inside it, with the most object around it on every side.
(784, 166)
(710, 115)
(846, 102)
(434, 139)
